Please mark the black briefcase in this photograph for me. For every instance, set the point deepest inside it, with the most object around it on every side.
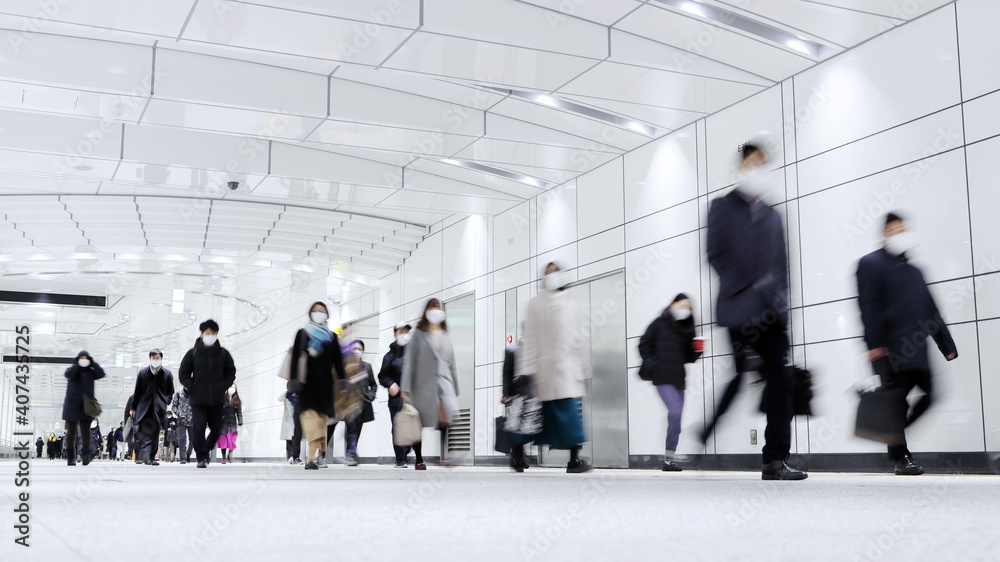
(882, 415)
(802, 393)
(504, 441)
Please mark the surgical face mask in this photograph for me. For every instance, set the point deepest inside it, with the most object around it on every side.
(318, 317)
(155, 363)
(358, 353)
(680, 313)
(209, 339)
(755, 183)
(83, 362)
(553, 281)
(403, 339)
(899, 244)
(435, 316)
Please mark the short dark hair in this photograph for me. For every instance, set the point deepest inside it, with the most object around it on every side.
(209, 325)
(156, 352)
(891, 218)
(362, 345)
(750, 148)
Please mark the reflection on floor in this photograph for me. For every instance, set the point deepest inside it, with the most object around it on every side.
(121, 511)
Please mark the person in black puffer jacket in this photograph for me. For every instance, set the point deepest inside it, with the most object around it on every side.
(80, 379)
(207, 370)
(232, 421)
(666, 347)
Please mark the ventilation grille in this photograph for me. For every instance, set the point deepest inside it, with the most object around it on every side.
(460, 432)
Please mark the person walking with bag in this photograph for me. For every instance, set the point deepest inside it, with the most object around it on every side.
(181, 406)
(430, 378)
(79, 404)
(390, 376)
(899, 314)
(207, 370)
(666, 346)
(232, 421)
(315, 358)
(552, 356)
(354, 425)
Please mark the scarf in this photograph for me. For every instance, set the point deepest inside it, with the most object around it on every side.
(318, 337)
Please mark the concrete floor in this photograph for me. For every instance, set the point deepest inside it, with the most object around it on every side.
(121, 511)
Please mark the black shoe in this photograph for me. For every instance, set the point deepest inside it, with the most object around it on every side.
(202, 464)
(524, 465)
(906, 467)
(516, 467)
(779, 470)
(154, 463)
(400, 464)
(312, 466)
(70, 462)
(86, 461)
(670, 466)
(183, 461)
(578, 466)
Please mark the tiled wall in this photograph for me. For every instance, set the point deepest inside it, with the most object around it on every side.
(907, 121)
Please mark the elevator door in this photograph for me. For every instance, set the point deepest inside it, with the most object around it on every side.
(462, 330)
(601, 329)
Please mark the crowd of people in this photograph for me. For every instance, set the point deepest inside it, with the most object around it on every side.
(543, 373)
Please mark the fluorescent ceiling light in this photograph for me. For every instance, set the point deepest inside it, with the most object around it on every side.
(583, 110)
(499, 172)
(177, 307)
(753, 27)
(178, 295)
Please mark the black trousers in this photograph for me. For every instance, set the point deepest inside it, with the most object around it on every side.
(293, 447)
(185, 442)
(202, 417)
(907, 380)
(74, 431)
(771, 343)
(149, 437)
(395, 405)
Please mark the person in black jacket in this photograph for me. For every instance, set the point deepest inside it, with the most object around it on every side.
(389, 376)
(746, 247)
(315, 355)
(39, 444)
(510, 389)
(80, 381)
(353, 426)
(666, 347)
(899, 314)
(232, 422)
(154, 387)
(207, 370)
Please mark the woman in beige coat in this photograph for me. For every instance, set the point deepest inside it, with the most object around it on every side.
(430, 380)
(552, 354)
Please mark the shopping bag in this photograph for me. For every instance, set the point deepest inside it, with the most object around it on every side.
(406, 427)
(882, 415)
(504, 440)
(524, 415)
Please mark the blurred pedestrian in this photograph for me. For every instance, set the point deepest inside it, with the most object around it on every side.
(207, 370)
(232, 421)
(79, 388)
(154, 387)
(181, 407)
(389, 376)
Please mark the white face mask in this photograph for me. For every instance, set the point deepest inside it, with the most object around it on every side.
(83, 362)
(435, 316)
(899, 244)
(680, 313)
(155, 363)
(553, 281)
(403, 339)
(209, 339)
(358, 353)
(755, 183)
(319, 317)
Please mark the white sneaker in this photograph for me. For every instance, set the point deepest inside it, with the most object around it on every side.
(291, 460)
(321, 461)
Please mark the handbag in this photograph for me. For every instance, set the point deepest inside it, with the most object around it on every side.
(504, 440)
(406, 426)
(524, 411)
(92, 408)
(802, 393)
(127, 431)
(882, 414)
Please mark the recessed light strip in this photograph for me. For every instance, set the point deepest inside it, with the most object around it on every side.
(751, 26)
(499, 172)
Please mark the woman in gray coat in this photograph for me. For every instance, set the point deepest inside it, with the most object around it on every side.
(430, 381)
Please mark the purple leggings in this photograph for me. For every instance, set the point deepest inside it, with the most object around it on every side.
(673, 399)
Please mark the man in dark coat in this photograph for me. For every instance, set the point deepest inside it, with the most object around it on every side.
(389, 378)
(899, 314)
(154, 387)
(746, 247)
(39, 444)
(80, 382)
(207, 371)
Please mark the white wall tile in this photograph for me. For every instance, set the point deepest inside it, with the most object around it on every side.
(832, 321)
(601, 246)
(653, 275)
(989, 335)
(980, 46)
(601, 267)
(459, 252)
(984, 200)
(510, 236)
(894, 78)
(662, 225)
(661, 174)
(600, 198)
(423, 269)
(556, 223)
(987, 288)
(982, 118)
(758, 117)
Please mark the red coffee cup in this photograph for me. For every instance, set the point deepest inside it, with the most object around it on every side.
(698, 344)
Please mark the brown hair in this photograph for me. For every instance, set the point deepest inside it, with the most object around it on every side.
(424, 324)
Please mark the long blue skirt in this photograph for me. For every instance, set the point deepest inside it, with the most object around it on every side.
(562, 427)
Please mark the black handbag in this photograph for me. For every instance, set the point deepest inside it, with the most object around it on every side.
(802, 393)
(92, 408)
(504, 441)
(882, 415)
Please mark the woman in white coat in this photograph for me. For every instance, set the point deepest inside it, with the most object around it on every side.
(430, 380)
(553, 355)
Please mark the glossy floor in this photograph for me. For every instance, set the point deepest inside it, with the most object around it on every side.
(256, 511)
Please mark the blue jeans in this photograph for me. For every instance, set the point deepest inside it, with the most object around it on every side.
(673, 399)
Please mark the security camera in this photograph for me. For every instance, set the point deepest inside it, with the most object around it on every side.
(234, 185)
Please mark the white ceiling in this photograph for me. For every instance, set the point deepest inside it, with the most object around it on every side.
(350, 125)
